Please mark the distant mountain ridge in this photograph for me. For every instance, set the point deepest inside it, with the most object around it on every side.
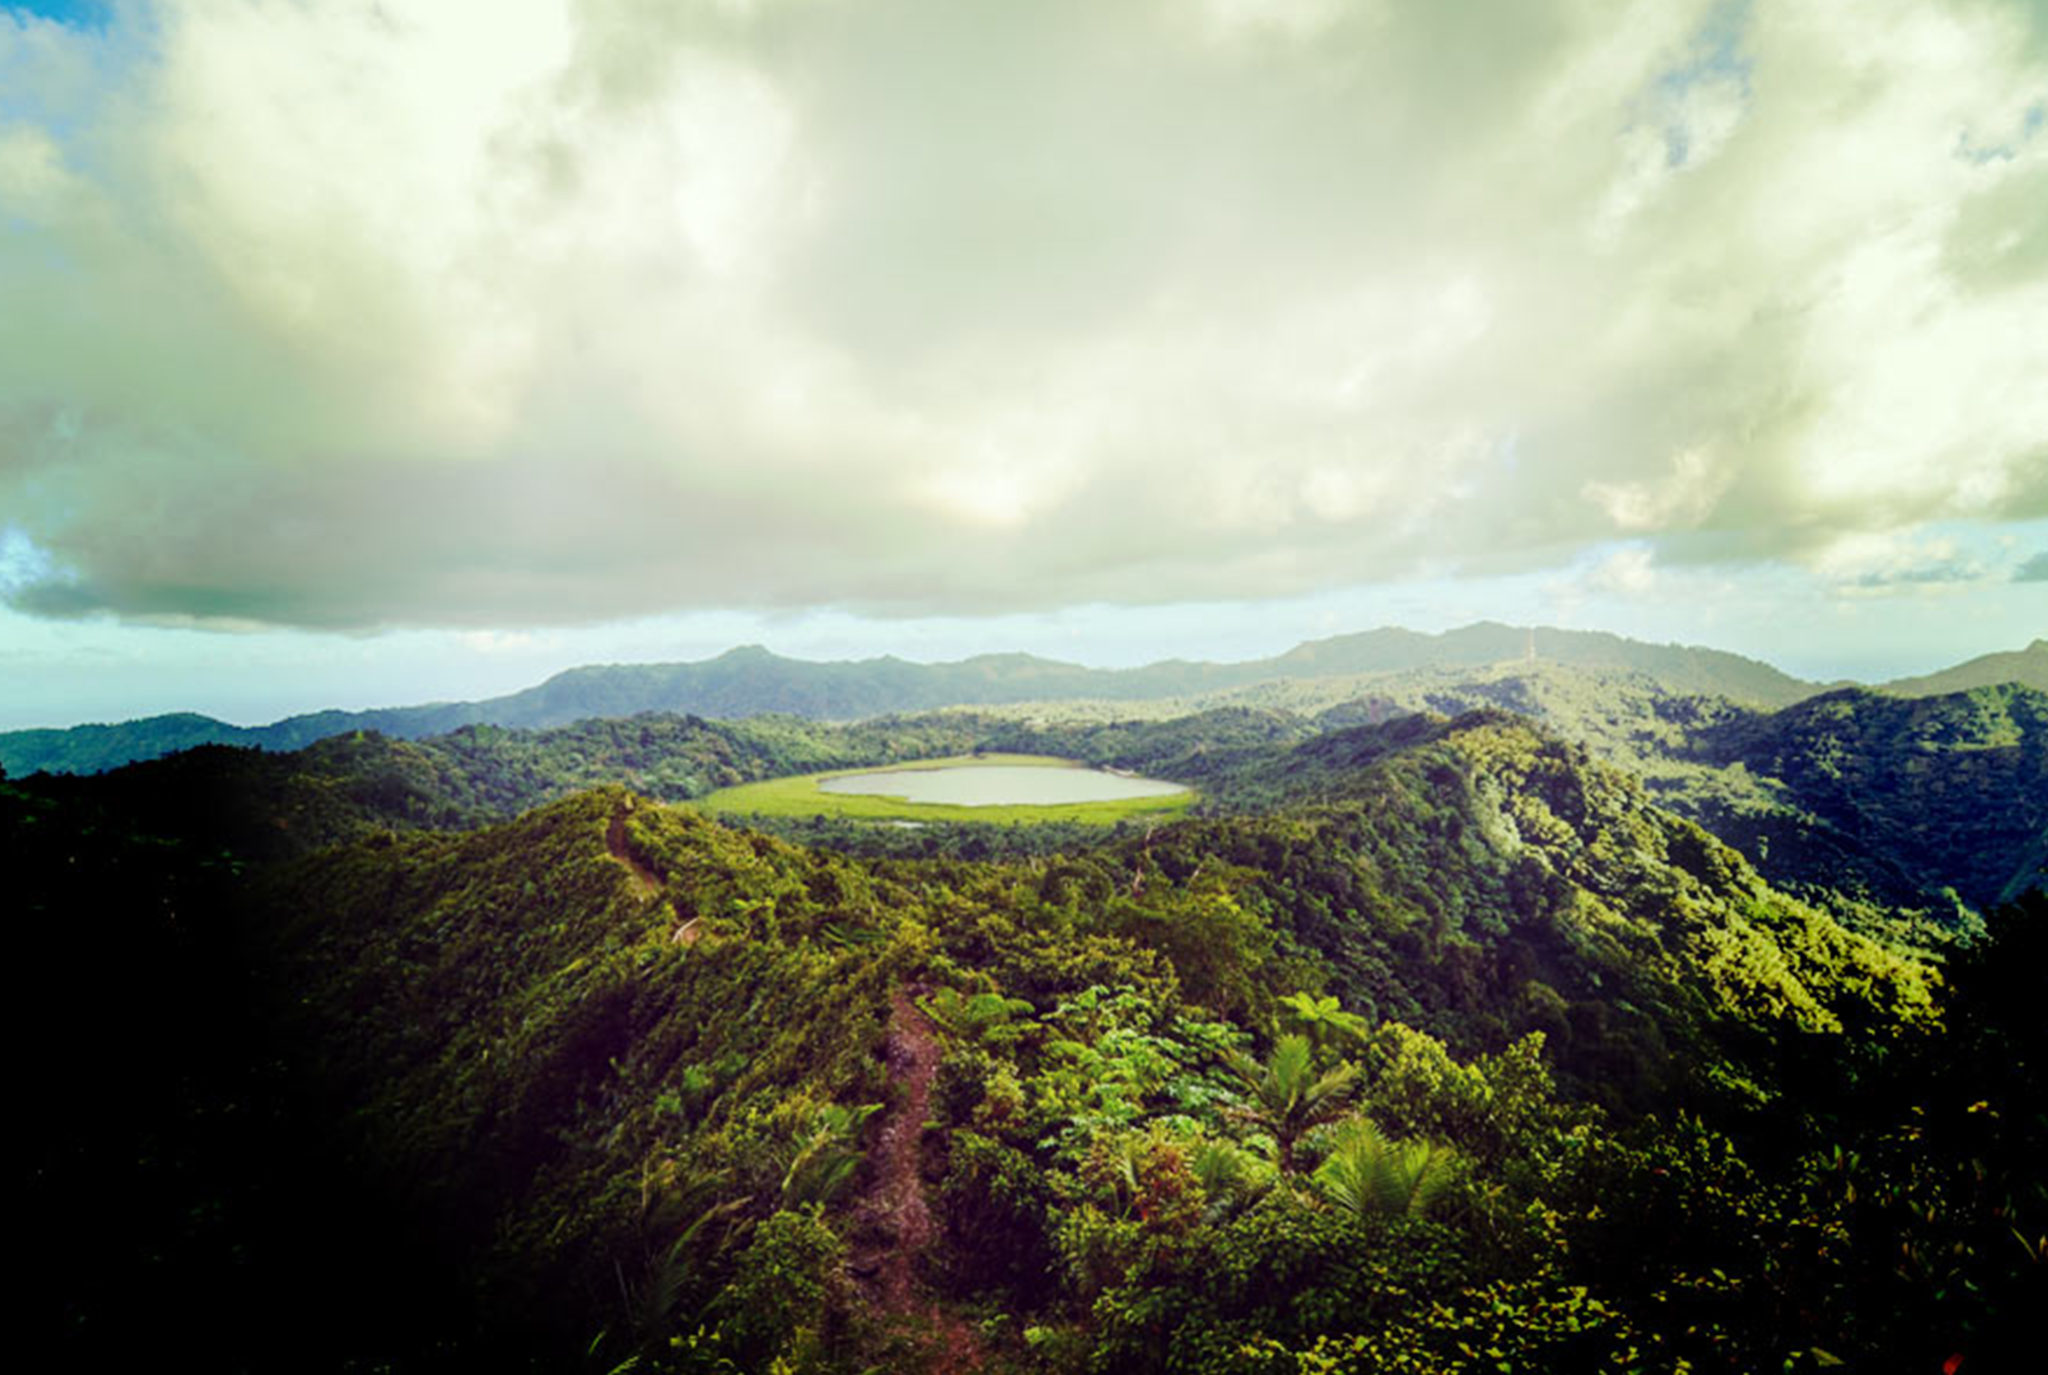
(752, 681)
(2027, 666)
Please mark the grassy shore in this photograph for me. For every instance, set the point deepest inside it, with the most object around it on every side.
(799, 796)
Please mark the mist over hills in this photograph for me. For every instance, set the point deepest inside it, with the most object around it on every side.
(752, 681)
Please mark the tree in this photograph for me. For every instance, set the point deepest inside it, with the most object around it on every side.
(1367, 1174)
(1323, 1019)
(1287, 1096)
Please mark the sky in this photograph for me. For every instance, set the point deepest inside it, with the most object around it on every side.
(363, 353)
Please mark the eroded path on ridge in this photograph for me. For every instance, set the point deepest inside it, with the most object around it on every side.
(644, 878)
(896, 1203)
(896, 1210)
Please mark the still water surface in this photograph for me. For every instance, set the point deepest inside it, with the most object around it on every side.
(1000, 785)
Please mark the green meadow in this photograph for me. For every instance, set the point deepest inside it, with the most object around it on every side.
(800, 796)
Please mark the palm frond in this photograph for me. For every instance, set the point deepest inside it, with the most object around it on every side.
(1369, 1175)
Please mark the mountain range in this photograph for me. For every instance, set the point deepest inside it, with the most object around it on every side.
(751, 681)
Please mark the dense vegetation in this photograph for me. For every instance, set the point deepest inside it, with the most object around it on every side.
(1886, 808)
(1900, 781)
(1906, 816)
(1434, 1045)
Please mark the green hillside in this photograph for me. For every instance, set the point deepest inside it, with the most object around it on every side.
(1889, 802)
(1890, 811)
(1912, 796)
(2028, 667)
(1440, 1047)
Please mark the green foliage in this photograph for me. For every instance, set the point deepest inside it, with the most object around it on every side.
(1902, 798)
(1232, 1178)
(978, 1017)
(995, 1206)
(686, 1223)
(1506, 1327)
(823, 1153)
(1551, 1078)
(1494, 1106)
(1323, 1020)
(1115, 1059)
(787, 1294)
(1288, 1094)
(1367, 1174)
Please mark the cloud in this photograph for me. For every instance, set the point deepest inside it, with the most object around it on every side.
(1630, 571)
(2034, 569)
(492, 315)
(1686, 495)
(1889, 562)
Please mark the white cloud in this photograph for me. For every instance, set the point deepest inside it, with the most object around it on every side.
(1683, 496)
(1630, 571)
(33, 179)
(499, 314)
(1884, 562)
(1299, 20)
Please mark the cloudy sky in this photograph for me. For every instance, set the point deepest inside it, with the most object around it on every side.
(357, 353)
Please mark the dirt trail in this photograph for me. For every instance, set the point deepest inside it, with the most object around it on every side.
(896, 1209)
(645, 878)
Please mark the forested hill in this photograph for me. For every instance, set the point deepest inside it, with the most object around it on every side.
(612, 1086)
(1914, 794)
(1880, 807)
(1676, 668)
(2027, 666)
(753, 682)
(1894, 801)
